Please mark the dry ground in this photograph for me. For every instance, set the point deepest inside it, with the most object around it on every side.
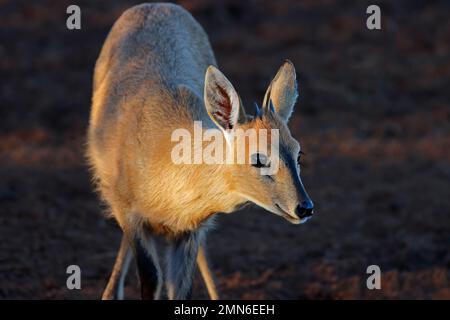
(373, 118)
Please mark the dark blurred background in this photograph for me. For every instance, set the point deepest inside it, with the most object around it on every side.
(373, 118)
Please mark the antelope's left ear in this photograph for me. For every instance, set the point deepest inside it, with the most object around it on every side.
(282, 91)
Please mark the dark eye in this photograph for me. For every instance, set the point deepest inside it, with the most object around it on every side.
(259, 160)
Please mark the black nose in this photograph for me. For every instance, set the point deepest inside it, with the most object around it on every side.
(305, 209)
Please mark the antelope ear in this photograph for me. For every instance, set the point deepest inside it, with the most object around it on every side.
(282, 91)
(221, 100)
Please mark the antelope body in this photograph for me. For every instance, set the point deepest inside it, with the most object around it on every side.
(156, 73)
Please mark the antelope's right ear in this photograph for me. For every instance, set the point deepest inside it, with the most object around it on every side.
(282, 91)
(221, 100)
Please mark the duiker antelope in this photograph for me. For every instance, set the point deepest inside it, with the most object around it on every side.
(156, 73)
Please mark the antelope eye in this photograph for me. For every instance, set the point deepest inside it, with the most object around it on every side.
(259, 160)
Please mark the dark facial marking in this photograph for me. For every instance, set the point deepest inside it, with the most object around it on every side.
(288, 160)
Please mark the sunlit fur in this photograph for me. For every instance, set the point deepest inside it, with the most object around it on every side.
(280, 189)
(176, 198)
(149, 81)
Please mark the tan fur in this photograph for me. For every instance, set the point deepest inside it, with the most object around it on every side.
(137, 104)
(258, 189)
(115, 286)
(206, 274)
(149, 81)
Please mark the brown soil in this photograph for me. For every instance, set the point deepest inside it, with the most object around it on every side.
(373, 119)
